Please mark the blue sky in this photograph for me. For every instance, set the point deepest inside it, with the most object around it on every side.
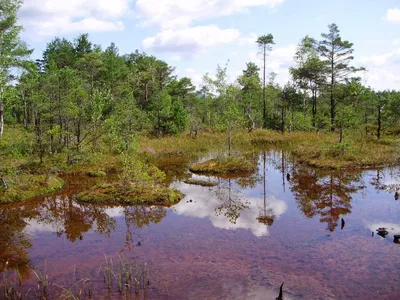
(196, 35)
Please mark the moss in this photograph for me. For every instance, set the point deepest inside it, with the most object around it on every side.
(131, 194)
(226, 165)
(97, 173)
(268, 138)
(23, 187)
(200, 182)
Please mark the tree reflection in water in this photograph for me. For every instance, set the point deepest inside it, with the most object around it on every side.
(63, 216)
(14, 241)
(140, 216)
(232, 202)
(266, 216)
(328, 195)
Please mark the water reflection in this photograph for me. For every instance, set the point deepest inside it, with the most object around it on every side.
(386, 229)
(61, 215)
(14, 241)
(387, 182)
(232, 203)
(328, 195)
(226, 208)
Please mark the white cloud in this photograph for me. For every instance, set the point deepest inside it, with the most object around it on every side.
(190, 41)
(190, 71)
(175, 57)
(249, 40)
(177, 13)
(205, 203)
(383, 59)
(43, 18)
(279, 61)
(396, 42)
(34, 227)
(392, 228)
(393, 15)
(383, 70)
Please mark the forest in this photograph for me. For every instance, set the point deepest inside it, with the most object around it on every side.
(79, 99)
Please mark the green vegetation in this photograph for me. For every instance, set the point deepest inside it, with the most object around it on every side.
(99, 173)
(200, 182)
(81, 108)
(15, 188)
(139, 183)
(137, 194)
(324, 150)
(124, 277)
(225, 165)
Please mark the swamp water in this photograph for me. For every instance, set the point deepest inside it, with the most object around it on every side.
(239, 240)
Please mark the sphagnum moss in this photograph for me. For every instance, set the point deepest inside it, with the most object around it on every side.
(200, 182)
(225, 165)
(131, 194)
(26, 186)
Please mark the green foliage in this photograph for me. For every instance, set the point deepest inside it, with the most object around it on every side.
(136, 171)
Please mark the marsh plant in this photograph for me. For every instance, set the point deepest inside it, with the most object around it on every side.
(125, 277)
(136, 171)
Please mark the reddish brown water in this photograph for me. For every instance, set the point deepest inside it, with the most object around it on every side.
(239, 240)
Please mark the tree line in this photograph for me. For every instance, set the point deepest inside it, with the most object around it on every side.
(80, 94)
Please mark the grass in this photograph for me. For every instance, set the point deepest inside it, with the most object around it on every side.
(322, 150)
(124, 277)
(182, 144)
(200, 182)
(99, 173)
(131, 194)
(21, 187)
(224, 165)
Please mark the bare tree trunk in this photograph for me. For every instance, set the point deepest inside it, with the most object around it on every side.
(332, 100)
(283, 114)
(25, 111)
(314, 107)
(1, 113)
(379, 121)
(264, 90)
(230, 139)
(1, 117)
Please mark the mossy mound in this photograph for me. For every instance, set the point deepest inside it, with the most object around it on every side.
(23, 187)
(131, 194)
(200, 182)
(99, 173)
(226, 165)
(268, 138)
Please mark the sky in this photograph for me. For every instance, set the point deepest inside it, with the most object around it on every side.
(196, 35)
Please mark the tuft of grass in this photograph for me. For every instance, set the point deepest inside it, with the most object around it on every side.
(98, 173)
(128, 278)
(131, 194)
(200, 182)
(21, 187)
(225, 165)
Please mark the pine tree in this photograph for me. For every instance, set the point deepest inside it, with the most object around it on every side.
(13, 52)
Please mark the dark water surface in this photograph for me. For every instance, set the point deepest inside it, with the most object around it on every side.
(239, 240)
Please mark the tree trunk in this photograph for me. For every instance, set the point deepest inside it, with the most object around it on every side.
(264, 90)
(25, 111)
(1, 117)
(379, 122)
(314, 107)
(283, 115)
(1, 113)
(332, 99)
(230, 140)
